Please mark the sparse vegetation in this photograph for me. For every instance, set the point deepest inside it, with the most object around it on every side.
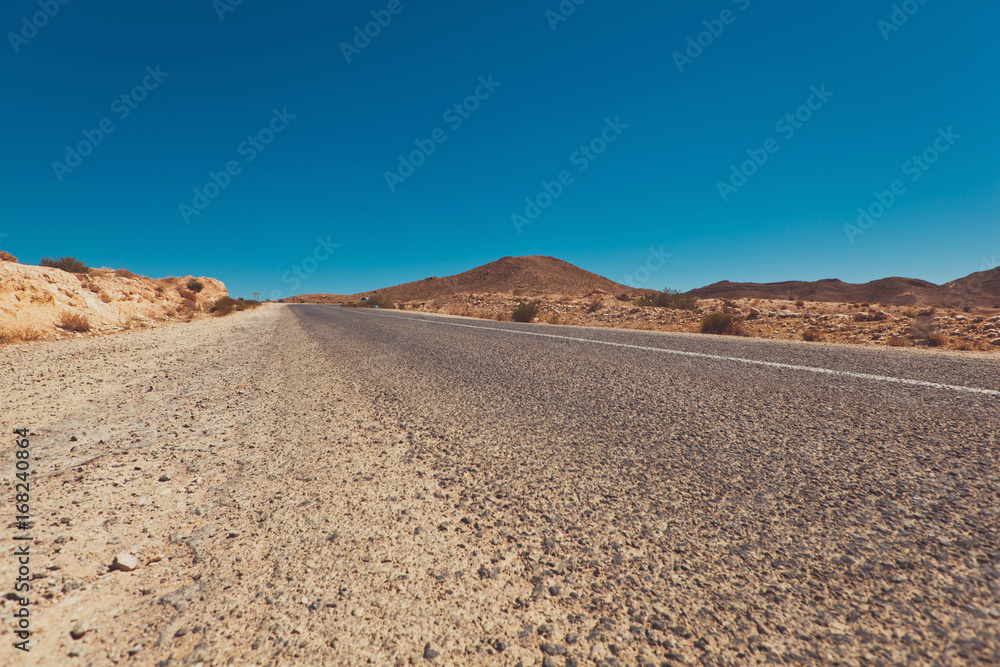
(23, 334)
(526, 311)
(964, 346)
(812, 335)
(376, 301)
(595, 306)
(7, 257)
(555, 319)
(668, 298)
(936, 340)
(73, 322)
(897, 341)
(800, 303)
(195, 286)
(722, 324)
(227, 305)
(70, 264)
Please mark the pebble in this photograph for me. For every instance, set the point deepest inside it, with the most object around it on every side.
(125, 562)
(429, 653)
(79, 630)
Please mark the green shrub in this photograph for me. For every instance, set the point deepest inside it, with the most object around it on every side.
(195, 286)
(70, 264)
(669, 298)
(526, 311)
(722, 324)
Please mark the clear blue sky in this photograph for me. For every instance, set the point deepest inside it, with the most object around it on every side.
(323, 176)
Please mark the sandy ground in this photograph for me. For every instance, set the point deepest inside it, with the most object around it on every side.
(34, 300)
(358, 491)
(858, 323)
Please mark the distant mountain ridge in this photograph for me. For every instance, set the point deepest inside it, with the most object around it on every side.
(978, 289)
(538, 274)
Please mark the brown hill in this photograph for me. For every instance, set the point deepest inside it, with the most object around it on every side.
(899, 291)
(980, 289)
(519, 276)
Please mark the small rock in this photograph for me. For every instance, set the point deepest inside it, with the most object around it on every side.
(79, 630)
(164, 477)
(500, 645)
(125, 562)
(429, 653)
(549, 648)
(72, 438)
(995, 341)
(554, 590)
(944, 541)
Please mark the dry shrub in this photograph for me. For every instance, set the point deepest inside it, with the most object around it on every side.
(555, 319)
(73, 322)
(22, 334)
(722, 324)
(964, 346)
(125, 273)
(812, 335)
(186, 294)
(7, 257)
(897, 341)
(525, 311)
(70, 264)
(936, 340)
(595, 306)
(800, 303)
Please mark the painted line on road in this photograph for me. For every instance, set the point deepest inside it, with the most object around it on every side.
(715, 357)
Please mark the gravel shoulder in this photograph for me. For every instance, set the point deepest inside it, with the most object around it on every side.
(302, 485)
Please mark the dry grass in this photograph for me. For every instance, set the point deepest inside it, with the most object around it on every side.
(964, 346)
(73, 322)
(898, 341)
(812, 335)
(20, 335)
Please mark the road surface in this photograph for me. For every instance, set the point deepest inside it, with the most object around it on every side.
(313, 484)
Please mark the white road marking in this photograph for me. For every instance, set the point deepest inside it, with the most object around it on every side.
(716, 357)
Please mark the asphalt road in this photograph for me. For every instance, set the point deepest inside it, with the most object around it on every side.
(315, 485)
(717, 499)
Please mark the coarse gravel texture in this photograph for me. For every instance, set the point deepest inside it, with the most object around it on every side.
(315, 485)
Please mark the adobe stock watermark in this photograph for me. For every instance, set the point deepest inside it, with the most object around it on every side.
(562, 13)
(655, 260)
(223, 7)
(363, 36)
(697, 44)
(581, 158)
(455, 116)
(31, 25)
(248, 149)
(787, 126)
(122, 107)
(899, 17)
(914, 169)
(299, 273)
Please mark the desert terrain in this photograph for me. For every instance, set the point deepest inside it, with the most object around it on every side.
(46, 303)
(961, 315)
(308, 484)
